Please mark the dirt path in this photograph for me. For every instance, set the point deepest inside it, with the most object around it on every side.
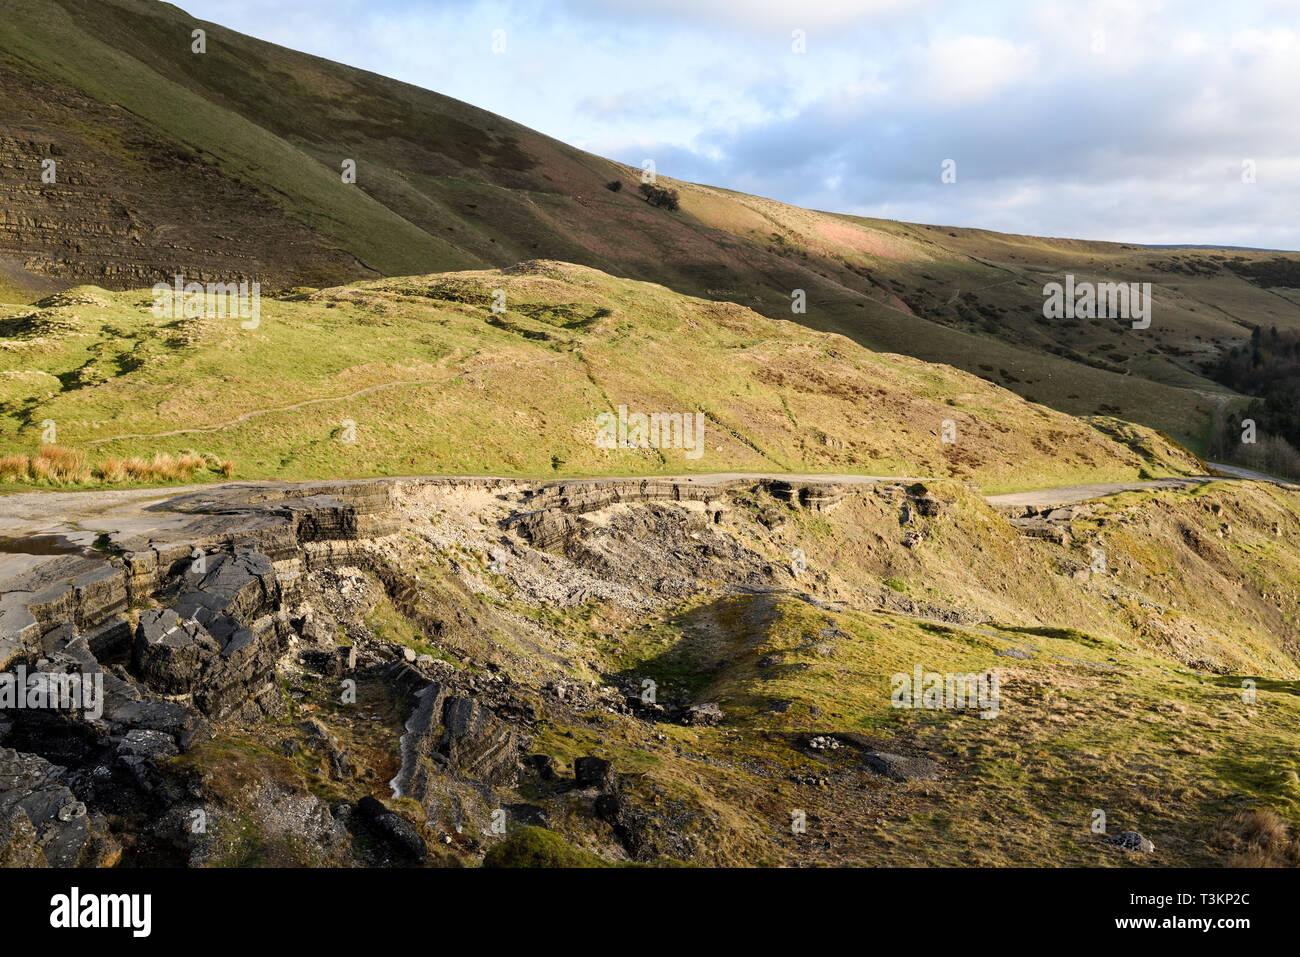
(1074, 494)
(1236, 471)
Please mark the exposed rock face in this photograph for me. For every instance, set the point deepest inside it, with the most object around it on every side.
(550, 522)
(42, 823)
(459, 736)
(171, 653)
(663, 551)
(1052, 524)
(592, 772)
(476, 744)
(577, 498)
(547, 529)
(397, 832)
(227, 582)
(821, 497)
(220, 641)
(207, 622)
(101, 224)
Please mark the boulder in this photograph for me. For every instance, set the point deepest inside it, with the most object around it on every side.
(1130, 841)
(900, 768)
(706, 714)
(397, 833)
(592, 772)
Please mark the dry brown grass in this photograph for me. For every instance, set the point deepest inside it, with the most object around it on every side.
(52, 465)
(14, 468)
(1259, 837)
(111, 470)
(161, 468)
(58, 465)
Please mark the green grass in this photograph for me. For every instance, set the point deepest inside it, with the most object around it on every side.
(433, 382)
(538, 847)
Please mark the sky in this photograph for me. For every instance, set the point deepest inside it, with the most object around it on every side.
(1145, 122)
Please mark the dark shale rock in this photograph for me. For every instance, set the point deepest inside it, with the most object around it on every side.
(900, 768)
(479, 745)
(547, 529)
(171, 654)
(592, 772)
(1130, 841)
(399, 834)
(543, 764)
(218, 642)
(42, 823)
(460, 736)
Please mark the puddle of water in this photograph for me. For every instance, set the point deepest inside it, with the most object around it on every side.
(38, 545)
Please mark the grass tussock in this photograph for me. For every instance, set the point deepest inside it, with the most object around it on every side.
(56, 465)
(1259, 837)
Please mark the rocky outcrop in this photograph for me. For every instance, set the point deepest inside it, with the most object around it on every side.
(577, 498)
(128, 226)
(221, 639)
(592, 772)
(818, 496)
(901, 767)
(398, 834)
(1130, 841)
(223, 584)
(1053, 524)
(453, 734)
(550, 520)
(42, 823)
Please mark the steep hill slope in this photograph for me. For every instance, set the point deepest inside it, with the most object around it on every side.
(228, 164)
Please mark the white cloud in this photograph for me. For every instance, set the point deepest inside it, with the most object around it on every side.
(753, 14)
(967, 69)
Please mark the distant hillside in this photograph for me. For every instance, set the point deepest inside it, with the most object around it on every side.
(227, 164)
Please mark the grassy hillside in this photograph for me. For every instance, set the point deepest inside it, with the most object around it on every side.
(1121, 690)
(228, 164)
(435, 381)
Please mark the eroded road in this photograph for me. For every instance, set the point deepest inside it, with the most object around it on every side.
(34, 526)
